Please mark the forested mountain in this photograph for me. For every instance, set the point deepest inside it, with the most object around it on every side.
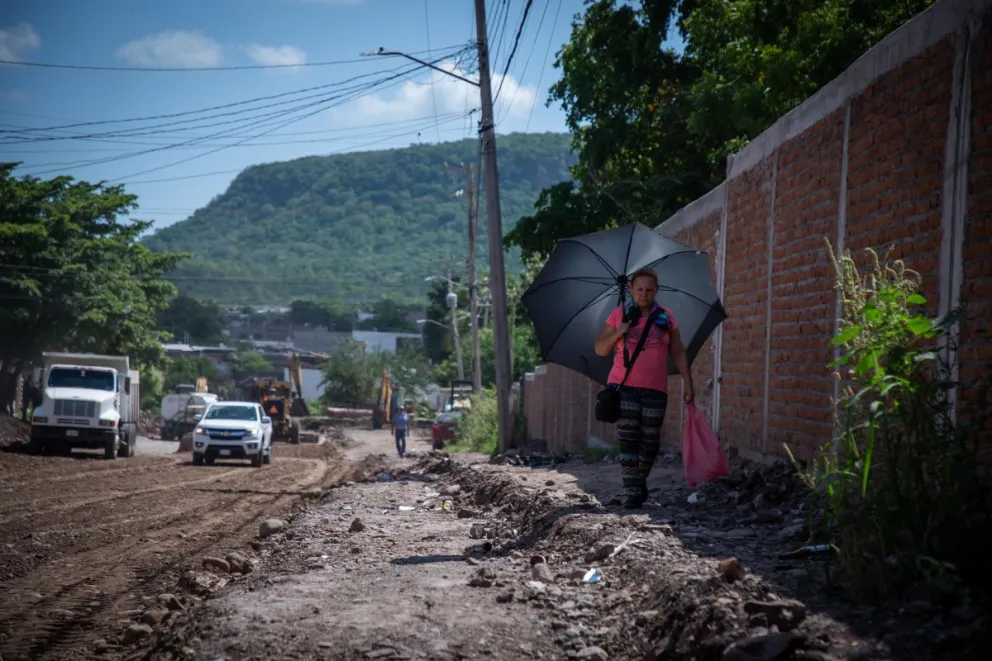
(368, 224)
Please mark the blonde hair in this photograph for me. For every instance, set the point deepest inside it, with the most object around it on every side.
(644, 273)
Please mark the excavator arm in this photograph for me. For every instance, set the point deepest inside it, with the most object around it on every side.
(299, 406)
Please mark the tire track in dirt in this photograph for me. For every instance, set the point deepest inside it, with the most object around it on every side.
(115, 496)
(56, 610)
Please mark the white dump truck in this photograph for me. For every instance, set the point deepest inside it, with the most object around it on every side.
(90, 401)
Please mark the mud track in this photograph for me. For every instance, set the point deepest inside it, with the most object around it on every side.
(85, 543)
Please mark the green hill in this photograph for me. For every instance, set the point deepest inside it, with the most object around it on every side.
(366, 224)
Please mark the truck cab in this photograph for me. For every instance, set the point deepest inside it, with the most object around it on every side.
(89, 401)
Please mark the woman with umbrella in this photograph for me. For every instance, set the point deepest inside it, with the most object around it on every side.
(644, 395)
(584, 282)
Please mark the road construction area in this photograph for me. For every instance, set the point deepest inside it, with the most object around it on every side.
(88, 546)
(344, 551)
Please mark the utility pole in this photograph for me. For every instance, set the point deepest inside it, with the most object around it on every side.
(473, 289)
(452, 300)
(497, 269)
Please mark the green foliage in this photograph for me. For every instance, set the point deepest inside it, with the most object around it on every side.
(390, 316)
(359, 224)
(333, 314)
(187, 371)
(478, 428)
(652, 127)
(903, 501)
(352, 376)
(188, 318)
(152, 384)
(247, 361)
(72, 273)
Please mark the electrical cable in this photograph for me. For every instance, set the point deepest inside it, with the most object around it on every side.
(547, 53)
(246, 67)
(530, 54)
(513, 50)
(282, 114)
(206, 110)
(427, 24)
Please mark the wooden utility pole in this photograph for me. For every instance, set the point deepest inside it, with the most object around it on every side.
(473, 289)
(497, 269)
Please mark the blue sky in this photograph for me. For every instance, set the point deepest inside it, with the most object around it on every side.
(177, 164)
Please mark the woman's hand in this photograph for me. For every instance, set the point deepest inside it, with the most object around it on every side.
(689, 394)
(623, 328)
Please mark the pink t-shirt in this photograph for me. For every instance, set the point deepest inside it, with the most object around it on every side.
(650, 370)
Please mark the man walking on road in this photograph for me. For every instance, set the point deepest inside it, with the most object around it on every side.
(400, 424)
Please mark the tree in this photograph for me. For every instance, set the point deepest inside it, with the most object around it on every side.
(188, 318)
(389, 316)
(332, 314)
(185, 370)
(653, 127)
(247, 361)
(439, 342)
(349, 376)
(73, 275)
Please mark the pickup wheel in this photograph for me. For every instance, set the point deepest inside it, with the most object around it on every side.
(197, 459)
(258, 459)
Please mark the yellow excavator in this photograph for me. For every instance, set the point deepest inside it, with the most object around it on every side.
(284, 405)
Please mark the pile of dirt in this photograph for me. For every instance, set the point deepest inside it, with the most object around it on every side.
(703, 583)
(13, 431)
(149, 424)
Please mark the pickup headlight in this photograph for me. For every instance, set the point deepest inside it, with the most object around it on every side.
(252, 432)
(201, 431)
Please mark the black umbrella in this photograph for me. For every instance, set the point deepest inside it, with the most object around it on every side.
(586, 278)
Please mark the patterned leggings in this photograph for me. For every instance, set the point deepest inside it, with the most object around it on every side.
(642, 412)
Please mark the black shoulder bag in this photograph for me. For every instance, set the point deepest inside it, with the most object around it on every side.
(608, 399)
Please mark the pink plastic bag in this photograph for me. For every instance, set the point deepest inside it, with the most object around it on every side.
(702, 456)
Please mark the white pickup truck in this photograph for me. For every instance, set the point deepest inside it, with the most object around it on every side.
(90, 401)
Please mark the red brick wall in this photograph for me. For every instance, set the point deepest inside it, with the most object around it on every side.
(975, 350)
(807, 202)
(786, 198)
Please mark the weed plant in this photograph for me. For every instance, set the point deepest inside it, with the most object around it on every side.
(898, 485)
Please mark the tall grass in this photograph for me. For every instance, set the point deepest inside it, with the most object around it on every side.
(478, 428)
(901, 496)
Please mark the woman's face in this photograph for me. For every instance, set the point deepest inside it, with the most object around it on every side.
(643, 289)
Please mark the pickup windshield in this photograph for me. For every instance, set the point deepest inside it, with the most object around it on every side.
(80, 377)
(232, 413)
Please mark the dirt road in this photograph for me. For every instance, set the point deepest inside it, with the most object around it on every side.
(87, 544)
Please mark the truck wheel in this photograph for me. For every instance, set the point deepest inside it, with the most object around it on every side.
(294, 434)
(132, 443)
(110, 452)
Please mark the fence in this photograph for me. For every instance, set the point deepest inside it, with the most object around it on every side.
(894, 153)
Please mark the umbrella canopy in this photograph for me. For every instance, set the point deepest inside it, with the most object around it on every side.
(586, 278)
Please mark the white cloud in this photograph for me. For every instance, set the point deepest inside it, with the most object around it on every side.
(17, 41)
(276, 55)
(173, 48)
(413, 99)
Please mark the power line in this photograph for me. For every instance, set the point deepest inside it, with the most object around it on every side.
(246, 67)
(347, 96)
(513, 51)
(530, 54)
(547, 53)
(200, 111)
(427, 24)
(355, 147)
